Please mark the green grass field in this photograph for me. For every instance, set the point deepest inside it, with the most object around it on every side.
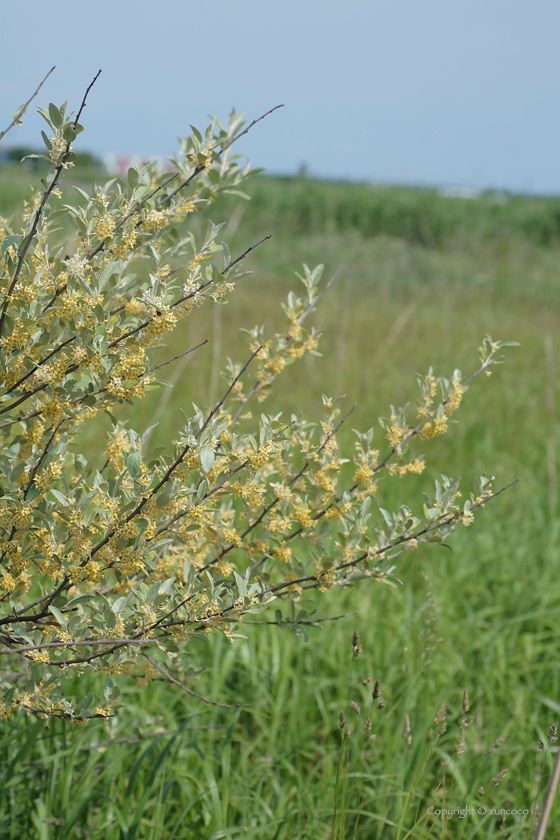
(420, 279)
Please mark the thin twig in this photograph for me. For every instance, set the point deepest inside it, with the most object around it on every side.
(171, 679)
(21, 111)
(174, 359)
(216, 156)
(297, 623)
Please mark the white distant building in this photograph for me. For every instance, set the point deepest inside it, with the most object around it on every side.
(120, 164)
(459, 192)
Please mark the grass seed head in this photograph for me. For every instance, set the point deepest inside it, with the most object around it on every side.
(497, 745)
(376, 690)
(356, 646)
(440, 717)
(498, 778)
(406, 727)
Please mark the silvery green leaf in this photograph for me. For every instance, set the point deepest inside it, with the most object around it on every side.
(166, 586)
(59, 497)
(58, 615)
(118, 605)
(241, 585)
(207, 458)
(133, 463)
(108, 688)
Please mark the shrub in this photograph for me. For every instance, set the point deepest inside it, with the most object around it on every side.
(115, 561)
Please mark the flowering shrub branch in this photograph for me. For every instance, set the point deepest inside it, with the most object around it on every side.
(106, 567)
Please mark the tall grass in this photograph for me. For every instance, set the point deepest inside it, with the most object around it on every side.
(483, 617)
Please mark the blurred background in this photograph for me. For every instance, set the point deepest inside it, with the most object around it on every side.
(416, 158)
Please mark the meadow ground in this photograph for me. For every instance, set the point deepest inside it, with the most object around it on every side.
(418, 285)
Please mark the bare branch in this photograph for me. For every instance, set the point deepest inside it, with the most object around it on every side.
(174, 359)
(298, 623)
(236, 379)
(21, 111)
(245, 130)
(171, 679)
(83, 105)
(244, 254)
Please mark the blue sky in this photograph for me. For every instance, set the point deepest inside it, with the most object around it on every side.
(434, 92)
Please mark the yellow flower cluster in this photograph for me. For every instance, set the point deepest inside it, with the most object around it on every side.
(434, 428)
(93, 571)
(230, 535)
(395, 434)
(454, 399)
(117, 446)
(160, 324)
(7, 582)
(415, 467)
(303, 517)
(223, 567)
(59, 147)
(258, 458)
(282, 553)
(279, 525)
(154, 220)
(326, 577)
(104, 226)
(18, 337)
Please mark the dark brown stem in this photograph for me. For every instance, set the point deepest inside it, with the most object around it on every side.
(42, 362)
